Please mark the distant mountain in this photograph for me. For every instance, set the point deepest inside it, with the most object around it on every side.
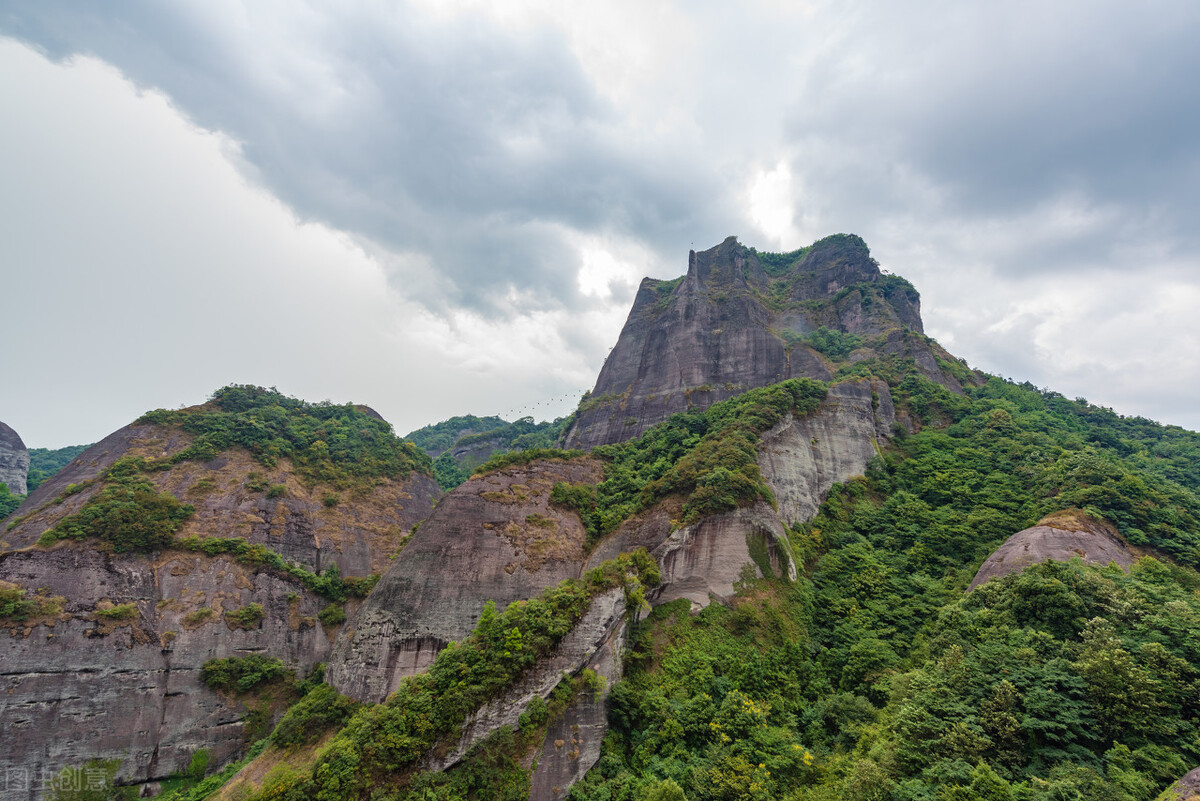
(461, 444)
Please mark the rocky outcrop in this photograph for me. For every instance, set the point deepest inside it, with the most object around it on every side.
(729, 325)
(801, 458)
(1058, 537)
(498, 538)
(495, 538)
(76, 685)
(14, 461)
(236, 496)
(1186, 789)
(595, 641)
(80, 686)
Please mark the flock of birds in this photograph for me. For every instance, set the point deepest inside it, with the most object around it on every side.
(517, 413)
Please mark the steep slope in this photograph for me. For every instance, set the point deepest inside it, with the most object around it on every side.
(812, 635)
(738, 320)
(496, 538)
(519, 532)
(14, 461)
(266, 525)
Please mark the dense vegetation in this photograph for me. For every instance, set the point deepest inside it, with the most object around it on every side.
(45, 462)
(876, 677)
(127, 514)
(490, 436)
(329, 584)
(380, 745)
(708, 457)
(340, 445)
(239, 674)
(8, 501)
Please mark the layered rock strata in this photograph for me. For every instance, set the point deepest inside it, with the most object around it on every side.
(230, 494)
(78, 684)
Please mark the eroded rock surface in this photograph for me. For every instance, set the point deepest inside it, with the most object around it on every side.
(14, 461)
(80, 687)
(231, 496)
(75, 686)
(494, 538)
(594, 642)
(728, 326)
(1186, 789)
(801, 458)
(1059, 537)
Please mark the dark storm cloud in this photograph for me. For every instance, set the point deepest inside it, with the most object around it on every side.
(1002, 109)
(451, 139)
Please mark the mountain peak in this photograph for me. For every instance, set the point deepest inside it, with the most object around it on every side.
(740, 319)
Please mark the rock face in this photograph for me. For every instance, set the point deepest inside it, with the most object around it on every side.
(729, 325)
(1186, 789)
(802, 458)
(498, 538)
(1058, 537)
(14, 461)
(494, 538)
(77, 686)
(594, 641)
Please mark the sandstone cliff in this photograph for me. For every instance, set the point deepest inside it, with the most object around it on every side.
(731, 324)
(235, 495)
(498, 538)
(14, 461)
(79, 685)
(494, 538)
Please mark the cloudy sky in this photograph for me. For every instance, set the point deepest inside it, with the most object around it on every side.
(440, 208)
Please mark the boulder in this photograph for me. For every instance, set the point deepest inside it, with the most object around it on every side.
(1058, 537)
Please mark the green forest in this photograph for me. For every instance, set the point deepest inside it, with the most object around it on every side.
(478, 438)
(876, 676)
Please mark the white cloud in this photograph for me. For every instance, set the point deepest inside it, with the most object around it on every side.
(143, 270)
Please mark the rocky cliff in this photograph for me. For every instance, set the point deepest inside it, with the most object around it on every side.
(14, 460)
(83, 682)
(495, 538)
(78, 685)
(498, 537)
(737, 321)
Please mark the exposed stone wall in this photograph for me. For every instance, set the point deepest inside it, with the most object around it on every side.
(494, 538)
(717, 334)
(76, 687)
(14, 461)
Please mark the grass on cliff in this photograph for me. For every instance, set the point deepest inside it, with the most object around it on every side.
(707, 457)
(1063, 681)
(339, 445)
(380, 745)
(127, 514)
